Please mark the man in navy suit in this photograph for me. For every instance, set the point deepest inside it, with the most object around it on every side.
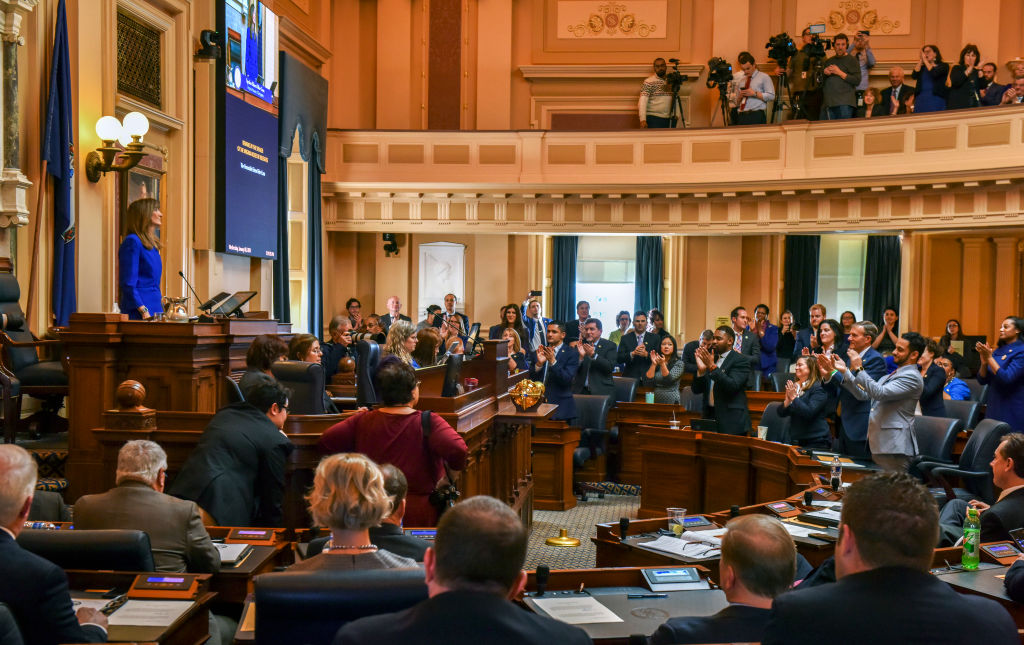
(36, 590)
(884, 592)
(853, 437)
(722, 379)
(758, 563)
(636, 346)
(804, 336)
(574, 328)
(896, 97)
(555, 365)
(597, 361)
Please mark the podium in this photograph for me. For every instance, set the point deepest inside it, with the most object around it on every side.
(181, 365)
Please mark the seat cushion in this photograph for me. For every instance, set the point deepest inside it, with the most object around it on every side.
(43, 373)
(51, 484)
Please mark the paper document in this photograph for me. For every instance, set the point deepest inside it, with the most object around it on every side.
(686, 548)
(577, 610)
(91, 603)
(824, 503)
(825, 514)
(232, 553)
(799, 530)
(150, 613)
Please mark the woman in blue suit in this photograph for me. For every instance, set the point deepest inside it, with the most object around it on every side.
(139, 267)
(1002, 369)
(805, 405)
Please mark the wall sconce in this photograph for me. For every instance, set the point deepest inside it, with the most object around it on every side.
(129, 133)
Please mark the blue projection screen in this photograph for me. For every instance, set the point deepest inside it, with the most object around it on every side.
(249, 222)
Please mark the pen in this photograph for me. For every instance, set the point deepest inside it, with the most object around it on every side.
(638, 596)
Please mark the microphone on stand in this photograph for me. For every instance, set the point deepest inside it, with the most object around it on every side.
(204, 307)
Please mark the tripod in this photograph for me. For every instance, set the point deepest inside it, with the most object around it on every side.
(676, 104)
(723, 102)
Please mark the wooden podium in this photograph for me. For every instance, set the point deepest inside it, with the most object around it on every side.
(181, 365)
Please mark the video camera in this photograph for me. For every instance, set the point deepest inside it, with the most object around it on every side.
(675, 79)
(719, 72)
(816, 48)
(781, 48)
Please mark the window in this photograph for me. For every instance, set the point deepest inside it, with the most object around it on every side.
(841, 274)
(605, 276)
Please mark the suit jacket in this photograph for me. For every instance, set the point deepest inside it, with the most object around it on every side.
(906, 91)
(36, 592)
(458, 617)
(636, 366)
(599, 368)
(994, 94)
(572, 330)
(734, 624)
(894, 401)
(443, 315)
(332, 353)
(803, 339)
(768, 343)
(807, 415)
(1006, 387)
(532, 328)
(690, 356)
(888, 605)
(931, 395)
(855, 411)
(1002, 517)
(750, 346)
(1014, 581)
(558, 379)
(387, 319)
(177, 536)
(729, 382)
(236, 473)
(48, 506)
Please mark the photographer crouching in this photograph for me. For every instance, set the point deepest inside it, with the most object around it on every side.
(755, 91)
(659, 103)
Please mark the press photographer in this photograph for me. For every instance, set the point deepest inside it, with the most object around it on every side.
(659, 104)
(804, 75)
(755, 90)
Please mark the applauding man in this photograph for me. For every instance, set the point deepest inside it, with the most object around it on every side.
(635, 346)
(597, 360)
(723, 380)
(555, 365)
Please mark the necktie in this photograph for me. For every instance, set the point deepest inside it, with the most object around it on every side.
(737, 344)
(743, 103)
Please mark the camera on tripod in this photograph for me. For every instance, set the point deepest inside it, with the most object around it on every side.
(816, 48)
(781, 48)
(674, 79)
(719, 72)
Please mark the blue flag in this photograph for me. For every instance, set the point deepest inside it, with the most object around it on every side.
(58, 141)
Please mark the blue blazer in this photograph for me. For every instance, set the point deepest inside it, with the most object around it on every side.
(558, 380)
(531, 329)
(1006, 387)
(36, 591)
(803, 339)
(855, 412)
(770, 340)
(807, 415)
(138, 277)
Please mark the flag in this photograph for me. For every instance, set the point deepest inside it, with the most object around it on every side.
(58, 152)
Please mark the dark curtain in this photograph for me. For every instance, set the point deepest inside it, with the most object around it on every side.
(801, 279)
(563, 288)
(316, 249)
(882, 269)
(649, 264)
(282, 297)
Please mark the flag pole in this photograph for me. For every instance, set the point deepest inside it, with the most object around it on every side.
(33, 271)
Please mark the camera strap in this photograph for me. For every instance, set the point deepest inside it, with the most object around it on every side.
(448, 479)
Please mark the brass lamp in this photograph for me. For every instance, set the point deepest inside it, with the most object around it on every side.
(129, 133)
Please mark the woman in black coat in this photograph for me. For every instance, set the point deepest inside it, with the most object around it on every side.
(805, 405)
(965, 79)
(934, 380)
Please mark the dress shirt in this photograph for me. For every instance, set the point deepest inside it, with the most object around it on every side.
(759, 82)
(866, 59)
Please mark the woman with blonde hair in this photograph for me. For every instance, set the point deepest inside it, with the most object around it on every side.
(348, 497)
(806, 404)
(516, 356)
(401, 342)
(139, 267)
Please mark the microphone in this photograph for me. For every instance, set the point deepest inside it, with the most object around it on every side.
(623, 527)
(205, 306)
(542, 579)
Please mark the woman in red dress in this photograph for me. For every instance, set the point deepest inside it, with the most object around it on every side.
(393, 434)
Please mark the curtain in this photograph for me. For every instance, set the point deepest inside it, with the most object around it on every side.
(882, 270)
(282, 297)
(801, 276)
(316, 248)
(563, 288)
(649, 264)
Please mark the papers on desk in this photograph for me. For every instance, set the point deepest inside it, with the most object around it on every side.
(845, 461)
(828, 516)
(232, 553)
(577, 610)
(150, 613)
(691, 544)
(91, 603)
(824, 503)
(799, 530)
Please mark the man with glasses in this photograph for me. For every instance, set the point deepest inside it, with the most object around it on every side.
(622, 324)
(236, 473)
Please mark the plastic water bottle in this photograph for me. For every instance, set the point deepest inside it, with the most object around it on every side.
(972, 539)
(837, 474)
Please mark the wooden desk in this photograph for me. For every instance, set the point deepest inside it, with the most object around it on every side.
(192, 628)
(234, 583)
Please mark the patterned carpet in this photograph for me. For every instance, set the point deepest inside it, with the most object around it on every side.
(580, 522)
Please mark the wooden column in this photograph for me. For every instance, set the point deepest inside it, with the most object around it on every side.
(974, 299)
(1006, 289)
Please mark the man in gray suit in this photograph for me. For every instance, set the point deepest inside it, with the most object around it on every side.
(176, 533)
(894, 398)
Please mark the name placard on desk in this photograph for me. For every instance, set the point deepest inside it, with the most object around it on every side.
(263, 537)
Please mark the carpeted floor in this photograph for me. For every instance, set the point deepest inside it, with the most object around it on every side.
(580, 521)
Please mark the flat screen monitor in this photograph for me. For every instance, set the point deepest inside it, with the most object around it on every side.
(234, 304)
(473, 338)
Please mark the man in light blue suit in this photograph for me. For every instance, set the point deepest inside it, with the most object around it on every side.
(853, 437)
(894, 398)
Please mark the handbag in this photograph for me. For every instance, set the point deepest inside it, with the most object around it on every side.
(445, 494)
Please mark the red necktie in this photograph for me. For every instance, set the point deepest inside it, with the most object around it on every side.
(743, 103)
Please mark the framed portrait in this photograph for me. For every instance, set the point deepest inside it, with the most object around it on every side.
(139, 182)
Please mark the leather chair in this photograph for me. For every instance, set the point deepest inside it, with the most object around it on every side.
(935, 437)
(968, 412)
(979, 392)
(592, 419)
(755, 380)
(366, 367)
(311, 606)
(23, 372)
(115, 549)
(232, 393)
(625, 389)
(690, 400)
(9, 632)
(306, 381)
(779, 380)
(778, 426)
(783, 365)
(973, 470)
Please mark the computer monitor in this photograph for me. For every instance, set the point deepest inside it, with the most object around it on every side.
(473, 338)
(452, 374)
(234, 304)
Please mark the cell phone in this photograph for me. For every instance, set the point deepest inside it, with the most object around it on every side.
(1017, 535)
(536, 294)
